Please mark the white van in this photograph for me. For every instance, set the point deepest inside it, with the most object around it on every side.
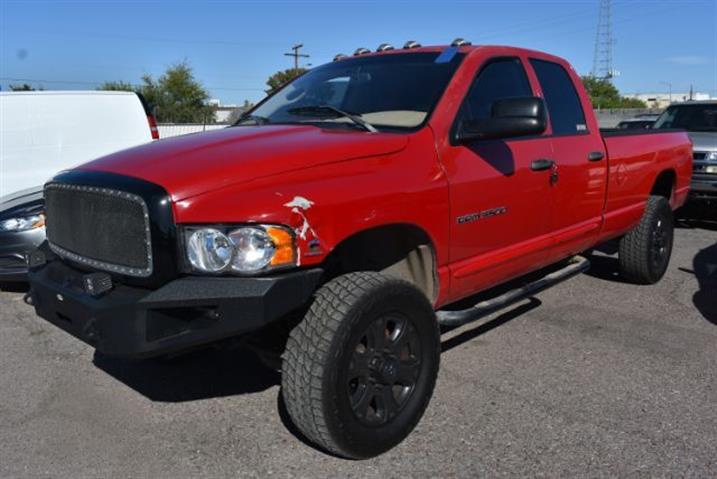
(44, 132)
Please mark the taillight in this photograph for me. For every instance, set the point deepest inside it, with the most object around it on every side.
(153, 127)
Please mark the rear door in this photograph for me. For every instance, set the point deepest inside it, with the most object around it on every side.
(580, 172)
(500, 209)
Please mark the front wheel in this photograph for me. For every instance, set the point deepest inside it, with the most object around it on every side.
(645, 251)
(360, 368)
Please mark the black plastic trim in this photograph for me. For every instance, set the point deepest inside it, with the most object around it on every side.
(596, 156)
(609, 132)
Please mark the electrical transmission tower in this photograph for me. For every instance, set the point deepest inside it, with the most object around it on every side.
(602, 61)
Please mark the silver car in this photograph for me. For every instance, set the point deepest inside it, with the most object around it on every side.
(699, 118)
(22, 230)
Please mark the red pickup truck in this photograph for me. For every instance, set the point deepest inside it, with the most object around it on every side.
(344, 216)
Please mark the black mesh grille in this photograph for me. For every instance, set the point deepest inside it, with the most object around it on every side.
(102, 228)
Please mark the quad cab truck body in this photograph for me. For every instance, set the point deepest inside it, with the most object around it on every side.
(345, 214)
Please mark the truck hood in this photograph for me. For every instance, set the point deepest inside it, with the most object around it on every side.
(703, 140)
(194, 164)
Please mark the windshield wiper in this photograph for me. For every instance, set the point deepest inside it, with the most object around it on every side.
(322, 110)
(259, 120)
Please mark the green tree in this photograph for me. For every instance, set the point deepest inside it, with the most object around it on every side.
(178, 96)
(175, 97)
(603, 94)
(117, 86)
(278, 79)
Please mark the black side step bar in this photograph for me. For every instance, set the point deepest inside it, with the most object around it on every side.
(575, 266)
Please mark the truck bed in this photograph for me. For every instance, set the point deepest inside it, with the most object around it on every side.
(635, 159)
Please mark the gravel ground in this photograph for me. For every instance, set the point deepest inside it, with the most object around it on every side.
(591, 378)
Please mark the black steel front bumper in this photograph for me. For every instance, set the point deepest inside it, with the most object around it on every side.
(129, 321)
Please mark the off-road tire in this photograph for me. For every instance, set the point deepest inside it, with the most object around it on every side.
(320, 357)
(644, 252)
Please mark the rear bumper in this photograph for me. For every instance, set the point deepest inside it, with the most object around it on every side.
(704, 187)
(14, 247)
(187, 312)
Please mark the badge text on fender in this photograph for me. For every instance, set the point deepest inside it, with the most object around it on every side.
(471, 217)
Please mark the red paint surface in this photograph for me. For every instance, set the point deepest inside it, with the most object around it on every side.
(358, 181)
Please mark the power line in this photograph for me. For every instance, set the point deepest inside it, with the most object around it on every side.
(516, 30)
(141, 38)
(536, 24)
(97, 83)
(296, 54)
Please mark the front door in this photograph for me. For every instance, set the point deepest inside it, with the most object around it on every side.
(500, 204)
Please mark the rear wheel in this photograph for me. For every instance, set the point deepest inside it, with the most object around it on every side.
(645, 251)
(360, 369)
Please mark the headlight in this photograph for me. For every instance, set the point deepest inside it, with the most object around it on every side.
(209, 250)
(23, 224)
(711, 156)
(244, 250)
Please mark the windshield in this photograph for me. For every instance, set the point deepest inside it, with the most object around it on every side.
(384, 91)
(689, 117)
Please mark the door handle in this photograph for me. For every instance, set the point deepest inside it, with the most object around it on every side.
(541, 164)
(596, 156)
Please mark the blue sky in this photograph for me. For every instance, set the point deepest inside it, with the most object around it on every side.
(234, 46)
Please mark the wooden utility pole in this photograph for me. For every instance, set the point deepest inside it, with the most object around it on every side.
(297, 55)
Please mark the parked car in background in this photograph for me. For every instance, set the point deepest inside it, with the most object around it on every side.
(700, 121)
(44, 132)
(635, 124)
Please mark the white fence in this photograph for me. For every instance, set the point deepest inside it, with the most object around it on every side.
(610, 118)
(168, 131)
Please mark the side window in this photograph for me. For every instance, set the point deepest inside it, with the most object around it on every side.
(564, 108)
(502, 78)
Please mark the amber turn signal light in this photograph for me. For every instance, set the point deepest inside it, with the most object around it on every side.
(284, 246)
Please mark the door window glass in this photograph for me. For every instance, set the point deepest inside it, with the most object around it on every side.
(503, 78)
(563, 103)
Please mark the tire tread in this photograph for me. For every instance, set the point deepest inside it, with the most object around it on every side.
(634, 247)
(308, 350)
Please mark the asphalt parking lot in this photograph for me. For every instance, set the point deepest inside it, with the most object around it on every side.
(592, 378)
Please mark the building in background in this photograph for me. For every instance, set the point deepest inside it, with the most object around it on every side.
(226, 114)
(661, 100)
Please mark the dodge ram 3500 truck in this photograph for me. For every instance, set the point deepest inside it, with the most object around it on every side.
(349, 209)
